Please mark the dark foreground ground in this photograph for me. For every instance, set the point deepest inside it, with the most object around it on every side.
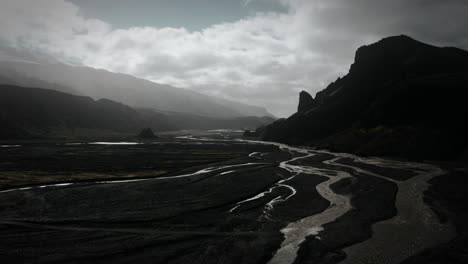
(186, 209)
(449, 199)
(24, 163)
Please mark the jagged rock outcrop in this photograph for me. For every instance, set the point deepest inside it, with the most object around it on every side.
(400, 98)
(147, 133)
(306, 102)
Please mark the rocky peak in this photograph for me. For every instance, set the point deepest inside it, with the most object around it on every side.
(147, 133)
(394, 50)
(306, 102)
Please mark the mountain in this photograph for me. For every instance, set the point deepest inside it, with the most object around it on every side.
(35, 112)
(122, 88)
(306, 102)
(401, 98)
(204, 123)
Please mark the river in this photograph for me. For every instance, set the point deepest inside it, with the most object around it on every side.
(413, 229)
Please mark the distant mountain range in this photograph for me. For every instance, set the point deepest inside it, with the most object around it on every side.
(46, 98)
(401, 98)
(126, 89)
(36, 112)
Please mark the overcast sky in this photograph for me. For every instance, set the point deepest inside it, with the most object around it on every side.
(262, 52)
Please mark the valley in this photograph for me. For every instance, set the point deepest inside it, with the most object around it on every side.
(230, 201)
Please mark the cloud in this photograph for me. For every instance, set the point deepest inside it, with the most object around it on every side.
(265, 59)
(246, 2)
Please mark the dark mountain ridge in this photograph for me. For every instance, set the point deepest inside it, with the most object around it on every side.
(35, 112)
(400, 98)
(130, 90)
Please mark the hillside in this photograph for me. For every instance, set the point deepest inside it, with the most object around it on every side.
(129, 90)
(32, 111)
(36, 112)
(400, 98)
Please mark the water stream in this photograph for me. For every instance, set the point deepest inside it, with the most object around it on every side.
(413, 229)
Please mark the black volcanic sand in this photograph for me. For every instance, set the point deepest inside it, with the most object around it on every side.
(315, 160)
(179, 220)
(373, 200)
(187, 220)
(449, 199)
(307, 198)
(36, 163)
(175, 220)
(392, 173)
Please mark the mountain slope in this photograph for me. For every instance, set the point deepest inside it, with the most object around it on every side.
(33, 111)
(30, 112)
(401, 98)
(121, 88)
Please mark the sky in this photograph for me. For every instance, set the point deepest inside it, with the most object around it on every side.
(260, 52)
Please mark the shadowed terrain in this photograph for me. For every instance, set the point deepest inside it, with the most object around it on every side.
(229, 201)
(401, 98)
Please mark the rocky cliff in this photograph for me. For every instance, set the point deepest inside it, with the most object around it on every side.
(401, 98)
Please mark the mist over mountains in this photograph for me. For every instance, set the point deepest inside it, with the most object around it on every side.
(35, 112)
(122, 88)
(48, 98)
